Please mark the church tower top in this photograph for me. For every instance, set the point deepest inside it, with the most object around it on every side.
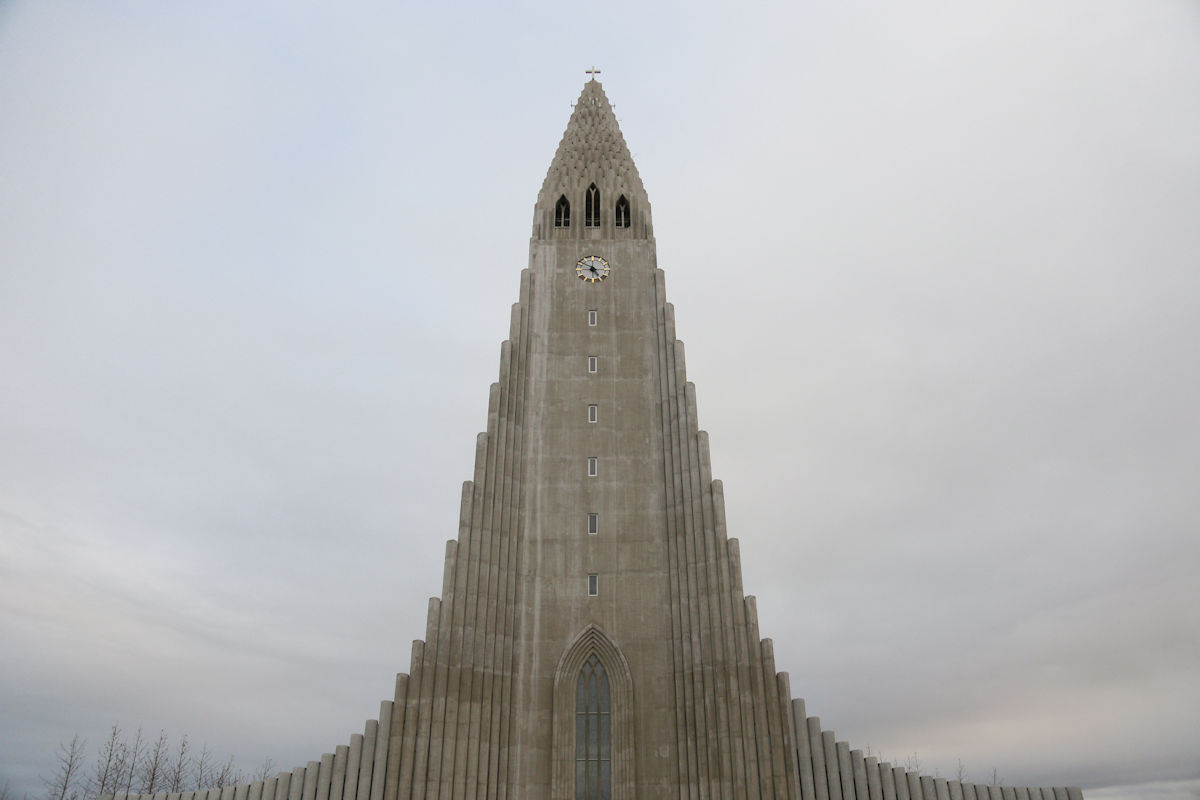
(591, 154)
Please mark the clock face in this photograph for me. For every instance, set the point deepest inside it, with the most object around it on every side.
(592, 269)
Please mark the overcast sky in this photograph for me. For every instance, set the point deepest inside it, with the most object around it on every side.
(936, 266)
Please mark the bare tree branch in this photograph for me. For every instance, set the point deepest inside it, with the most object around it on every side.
(229, 775)
(153, 772)
(177, 776)
(64, 785)
(108, 768)
(265, 770)
(202, 770)
(133, 759)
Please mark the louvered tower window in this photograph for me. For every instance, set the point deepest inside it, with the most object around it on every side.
(593, 736)
(562, 213)
(622, 212)
(591, 208)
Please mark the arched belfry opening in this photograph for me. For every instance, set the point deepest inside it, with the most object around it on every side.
(593, 721)
(621, 215)
(591, 209)
(562, 213)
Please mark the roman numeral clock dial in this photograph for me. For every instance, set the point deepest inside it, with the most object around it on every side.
(592, 269)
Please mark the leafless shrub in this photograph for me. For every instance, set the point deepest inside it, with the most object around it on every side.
(137, 767)
(265, 770)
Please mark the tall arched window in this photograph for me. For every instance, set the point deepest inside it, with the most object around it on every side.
(562, 213)
(591, 210)
(622, 212)
(593, 733)
(599, 768)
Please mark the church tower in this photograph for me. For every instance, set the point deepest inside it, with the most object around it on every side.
(621, 556)
(592, 640)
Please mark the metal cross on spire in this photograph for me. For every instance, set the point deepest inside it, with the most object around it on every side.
(593, 72)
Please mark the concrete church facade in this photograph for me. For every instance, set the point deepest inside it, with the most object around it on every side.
(592, 639)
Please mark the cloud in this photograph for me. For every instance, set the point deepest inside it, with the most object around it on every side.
(934, 269)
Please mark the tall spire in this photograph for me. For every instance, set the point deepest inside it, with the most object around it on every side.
(593, 151)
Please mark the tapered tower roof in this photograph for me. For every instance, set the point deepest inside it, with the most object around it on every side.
(593, 151)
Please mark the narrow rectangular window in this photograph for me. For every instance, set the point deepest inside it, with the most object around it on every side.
(592, 317)
(593, 523)
(593, 466)
(593, 414)
(593, 585)
(593, 364)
